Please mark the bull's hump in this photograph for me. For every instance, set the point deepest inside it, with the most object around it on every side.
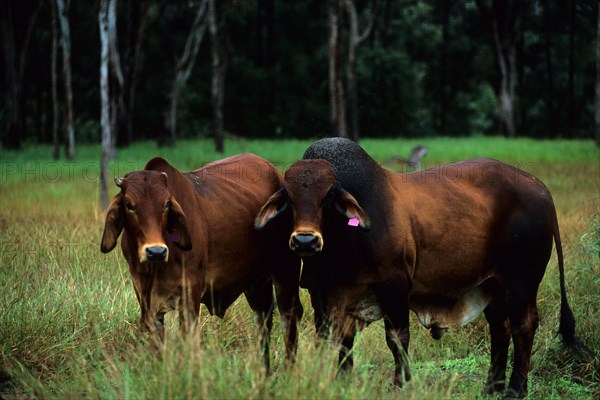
(158, 164)
(357, 172)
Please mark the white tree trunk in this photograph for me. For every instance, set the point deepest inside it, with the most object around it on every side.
(53, 66)
(506, 61)
(184, 66)
(218, 77)
(116, 97)
(104, 101)
(597, 114)
(65, 42)
(354, 40)
(337, 99)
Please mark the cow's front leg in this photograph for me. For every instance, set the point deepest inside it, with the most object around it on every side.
(153, 324)
(393, 301)
(290, 309)
(189, 310)
(260, 299)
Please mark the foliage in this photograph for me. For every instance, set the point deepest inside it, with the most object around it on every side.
(427, 69)
(69, 312)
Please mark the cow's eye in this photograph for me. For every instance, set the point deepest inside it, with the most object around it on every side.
(129, 207)
(328, 199)
(168, 205)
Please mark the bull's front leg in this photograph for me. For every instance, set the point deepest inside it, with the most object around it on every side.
(393, 301)
(322, 323)
(344, 331)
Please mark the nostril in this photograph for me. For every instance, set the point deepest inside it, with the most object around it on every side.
(156, 253)
(305, 240)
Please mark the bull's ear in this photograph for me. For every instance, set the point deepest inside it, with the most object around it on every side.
(113, 225)
(347, 205)
(177, 227)
(276, 204)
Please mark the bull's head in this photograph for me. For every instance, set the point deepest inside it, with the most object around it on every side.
(149, 214)
(311, 191)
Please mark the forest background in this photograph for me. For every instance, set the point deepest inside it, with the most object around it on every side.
(275, 69)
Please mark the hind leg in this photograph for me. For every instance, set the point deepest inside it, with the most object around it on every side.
(524, 320)
(497, 318)
(260, 299)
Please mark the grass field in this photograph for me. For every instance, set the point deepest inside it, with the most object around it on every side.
(69, 313)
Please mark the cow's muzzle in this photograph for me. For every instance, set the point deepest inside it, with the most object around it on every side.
(155, 253)
(306, 243)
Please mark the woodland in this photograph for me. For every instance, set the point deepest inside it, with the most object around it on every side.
(118, 71)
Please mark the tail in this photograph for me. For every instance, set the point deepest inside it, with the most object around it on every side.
(567, 320)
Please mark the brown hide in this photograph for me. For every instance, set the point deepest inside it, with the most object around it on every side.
(448, 243)
(190, 239)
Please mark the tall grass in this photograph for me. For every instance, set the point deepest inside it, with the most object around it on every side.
(69, 313)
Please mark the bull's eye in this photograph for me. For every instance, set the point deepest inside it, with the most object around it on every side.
(169, 205)
(129, 207)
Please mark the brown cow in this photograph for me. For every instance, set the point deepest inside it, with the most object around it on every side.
(189, 239)
(447, 243)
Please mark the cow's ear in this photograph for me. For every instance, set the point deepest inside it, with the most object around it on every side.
(347, 205)
(177, 227)
(276, 204)
(113, 225)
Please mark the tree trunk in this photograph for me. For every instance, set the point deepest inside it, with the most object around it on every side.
(571, 120)
(443, 111)
(54, 84)
(183, 69)
(104, 101)
(337, 99)
(63, 16)
(504, 20)
(598, 80)
(14, 71)
(138, 13)
(551, 115)
(265, 54)
(12, 93)
(354, 40)
(117, 115)
(218, 77)
(506, 90)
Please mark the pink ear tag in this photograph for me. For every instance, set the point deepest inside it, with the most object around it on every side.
(353, 221)
(174, 237)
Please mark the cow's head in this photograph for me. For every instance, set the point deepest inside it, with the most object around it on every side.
(149, 214)
(312, 192)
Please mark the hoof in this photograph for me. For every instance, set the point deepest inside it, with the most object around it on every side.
(512, 394)
(398, 381)
(491, 389)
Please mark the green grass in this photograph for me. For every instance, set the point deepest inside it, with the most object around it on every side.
(68, 320)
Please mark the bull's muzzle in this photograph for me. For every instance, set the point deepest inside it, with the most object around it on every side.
(306, 243)
(155, 253)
